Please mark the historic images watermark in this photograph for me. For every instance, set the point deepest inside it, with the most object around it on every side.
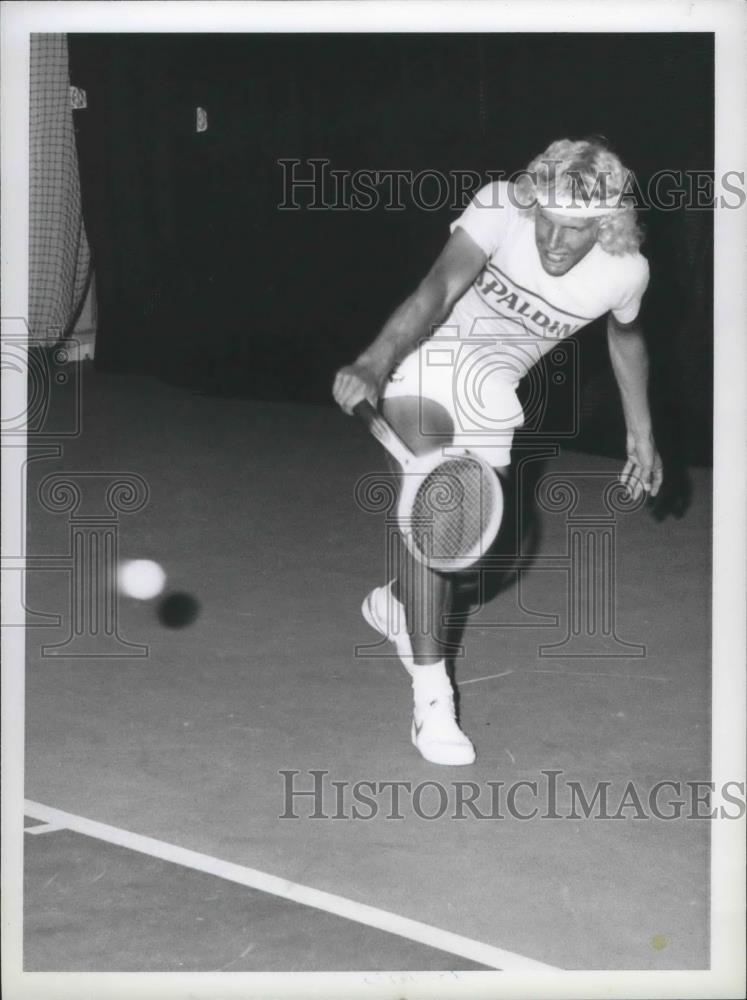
(47, 365)
(475, 375)
(91, 503)
(314, 184)
(552, 795)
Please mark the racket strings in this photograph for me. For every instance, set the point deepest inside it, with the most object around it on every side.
(452, 507)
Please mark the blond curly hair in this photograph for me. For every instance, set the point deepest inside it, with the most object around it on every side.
(567, 164)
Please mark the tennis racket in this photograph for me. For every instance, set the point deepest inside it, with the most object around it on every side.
(450, 507)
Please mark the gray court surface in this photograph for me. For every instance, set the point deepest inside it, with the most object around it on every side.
(250, 508)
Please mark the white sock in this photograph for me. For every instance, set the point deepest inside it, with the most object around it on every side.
(429, 681)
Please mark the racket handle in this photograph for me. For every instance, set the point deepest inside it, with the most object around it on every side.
(383, 433)
(365, 412)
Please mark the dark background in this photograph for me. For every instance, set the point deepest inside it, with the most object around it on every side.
(204, 282)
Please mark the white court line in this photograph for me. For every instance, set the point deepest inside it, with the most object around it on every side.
(490, 677)
(434, 937)
(44, 828)
(565, 673)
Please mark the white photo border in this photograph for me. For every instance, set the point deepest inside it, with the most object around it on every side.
(726, 19)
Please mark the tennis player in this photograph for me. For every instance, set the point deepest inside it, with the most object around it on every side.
(528, 263)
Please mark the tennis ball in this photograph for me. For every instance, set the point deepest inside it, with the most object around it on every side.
(142, 579)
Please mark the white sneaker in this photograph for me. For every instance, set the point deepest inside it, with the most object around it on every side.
(386, 615)
(436, 734)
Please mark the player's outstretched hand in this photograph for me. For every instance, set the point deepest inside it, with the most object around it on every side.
(644, 469)
(354, 383)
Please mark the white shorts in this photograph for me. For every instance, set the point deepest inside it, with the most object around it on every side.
(473, 384)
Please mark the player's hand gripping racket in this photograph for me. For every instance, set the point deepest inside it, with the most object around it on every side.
(450, 507)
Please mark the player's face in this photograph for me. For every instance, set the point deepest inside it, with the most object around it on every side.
(562, 241)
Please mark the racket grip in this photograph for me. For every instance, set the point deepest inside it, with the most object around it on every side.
(365, 412)
(383, 433)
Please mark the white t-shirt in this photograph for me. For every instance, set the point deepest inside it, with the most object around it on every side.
(516, 306)
(513, 314)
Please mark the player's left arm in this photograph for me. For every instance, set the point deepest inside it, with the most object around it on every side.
(629, 356)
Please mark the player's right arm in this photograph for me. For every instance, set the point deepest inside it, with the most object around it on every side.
(456, 267)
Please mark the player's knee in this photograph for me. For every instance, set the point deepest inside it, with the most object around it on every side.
(423, 424)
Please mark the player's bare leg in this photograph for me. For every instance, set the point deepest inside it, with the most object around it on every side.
(426, 598)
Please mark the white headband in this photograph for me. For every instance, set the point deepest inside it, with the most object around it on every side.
(577, 206)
